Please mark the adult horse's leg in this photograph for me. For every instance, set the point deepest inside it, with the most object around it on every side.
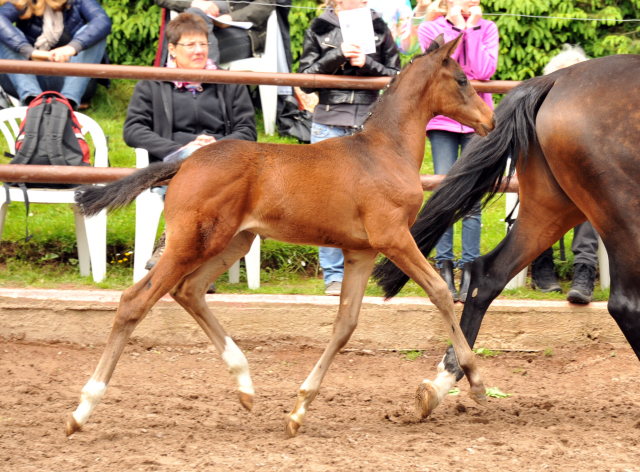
(135, 303)
(358, 266)
(546, 213)
(401, 248)
(190, 294)
(624, 300)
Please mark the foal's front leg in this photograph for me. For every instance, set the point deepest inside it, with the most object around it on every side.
(358, 266)
(403, 251)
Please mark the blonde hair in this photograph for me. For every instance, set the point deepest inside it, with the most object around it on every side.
(326, 4)
(569, 56)
(35, 7)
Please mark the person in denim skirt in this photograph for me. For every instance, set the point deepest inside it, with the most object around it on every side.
(342, 112)
(477, 54)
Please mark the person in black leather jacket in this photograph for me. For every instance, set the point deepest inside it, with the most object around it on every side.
(53, 30)
(341, 112)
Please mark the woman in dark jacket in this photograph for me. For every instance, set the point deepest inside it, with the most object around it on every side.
(341, 112)
(180, 117)
(53, 30)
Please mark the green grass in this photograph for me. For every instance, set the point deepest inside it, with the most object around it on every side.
(49, 259)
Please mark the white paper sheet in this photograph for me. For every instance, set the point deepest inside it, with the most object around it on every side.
(357, 28)
(236, 24)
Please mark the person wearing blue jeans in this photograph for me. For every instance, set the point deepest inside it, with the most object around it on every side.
(59, 31)
(331, 258)
(445, 148)
(341, 112)
(29, 86)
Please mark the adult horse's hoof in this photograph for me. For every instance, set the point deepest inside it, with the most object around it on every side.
(246, 400)
(426, 399)
(72, 425)
(479, 397)
(291, 426)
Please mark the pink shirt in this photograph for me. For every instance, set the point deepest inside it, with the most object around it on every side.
(477, 54)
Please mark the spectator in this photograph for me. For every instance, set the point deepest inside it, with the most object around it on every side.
(478, 56)
(342, 112)
(53, 30)
(585, 237)
(403, 23)
(228, 43)
(167, 117)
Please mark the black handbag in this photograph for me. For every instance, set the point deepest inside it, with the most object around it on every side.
(294, 122)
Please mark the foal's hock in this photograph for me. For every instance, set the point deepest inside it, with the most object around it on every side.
(359, 193)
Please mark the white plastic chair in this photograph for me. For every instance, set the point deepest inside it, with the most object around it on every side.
(267, 62)
(149, 206)
(520, 280)
(91, 232)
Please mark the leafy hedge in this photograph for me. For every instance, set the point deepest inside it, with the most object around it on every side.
(526, 44)
(134, 35)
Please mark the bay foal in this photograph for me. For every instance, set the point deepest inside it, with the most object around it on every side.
(359, 193)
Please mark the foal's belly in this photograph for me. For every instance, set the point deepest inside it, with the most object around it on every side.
(342, 234)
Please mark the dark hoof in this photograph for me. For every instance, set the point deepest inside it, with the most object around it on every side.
(72, 425)
(290, 426)
(479, 397)
(246, 400)
(426, 399)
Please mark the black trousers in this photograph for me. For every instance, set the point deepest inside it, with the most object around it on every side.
(584, 245)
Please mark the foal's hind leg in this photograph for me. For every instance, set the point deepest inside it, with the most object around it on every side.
(358, 266)
(190, 294)
(400, 247)
(135, 303)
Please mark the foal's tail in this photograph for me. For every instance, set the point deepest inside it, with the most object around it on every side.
(122, 192)
(478, 173)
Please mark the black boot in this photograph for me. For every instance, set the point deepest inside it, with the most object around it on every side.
(212, 288)
(447, 275)
(465, 280)
(584, 279)
(543, 274)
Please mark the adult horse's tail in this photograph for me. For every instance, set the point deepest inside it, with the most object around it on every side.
(476, 176)
(122, 192)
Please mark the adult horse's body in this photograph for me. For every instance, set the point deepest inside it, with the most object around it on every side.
(359, 193)
(574, 137)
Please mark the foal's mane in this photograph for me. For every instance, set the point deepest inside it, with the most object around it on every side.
(390, 90)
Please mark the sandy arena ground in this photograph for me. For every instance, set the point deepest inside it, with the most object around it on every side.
(174, 409)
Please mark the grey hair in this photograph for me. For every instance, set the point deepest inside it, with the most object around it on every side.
(570, 55)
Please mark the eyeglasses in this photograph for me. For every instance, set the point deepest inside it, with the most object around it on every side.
(192, 46)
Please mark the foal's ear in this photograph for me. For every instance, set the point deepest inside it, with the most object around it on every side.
(438, 42)
(449, 48)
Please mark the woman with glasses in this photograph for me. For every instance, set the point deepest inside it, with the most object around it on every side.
(176, 118)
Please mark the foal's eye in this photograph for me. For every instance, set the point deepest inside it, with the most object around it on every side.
(462, 81)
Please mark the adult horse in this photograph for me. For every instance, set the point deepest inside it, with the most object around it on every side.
(359, 193)
(573, 138)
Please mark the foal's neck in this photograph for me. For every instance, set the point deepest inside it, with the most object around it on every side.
(402, 116)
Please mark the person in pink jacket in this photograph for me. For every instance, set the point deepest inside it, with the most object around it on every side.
(477, 54)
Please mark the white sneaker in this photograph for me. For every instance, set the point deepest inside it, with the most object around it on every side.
(333, 288)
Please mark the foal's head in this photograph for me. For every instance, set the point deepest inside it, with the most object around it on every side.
(447, 89)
